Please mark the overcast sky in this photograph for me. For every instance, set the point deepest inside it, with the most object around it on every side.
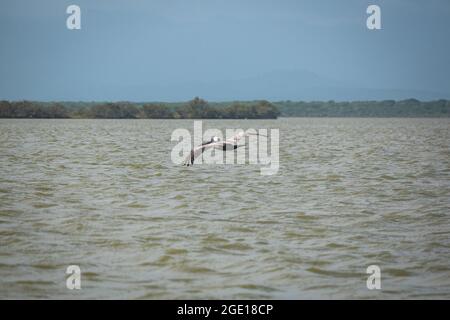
(170, 50)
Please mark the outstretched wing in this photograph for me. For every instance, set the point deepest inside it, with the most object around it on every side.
(241, 134)
(196, 152)
(236, 137)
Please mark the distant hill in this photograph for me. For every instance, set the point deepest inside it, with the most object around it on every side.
(297, 85)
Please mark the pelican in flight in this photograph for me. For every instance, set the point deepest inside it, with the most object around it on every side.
(215, 143)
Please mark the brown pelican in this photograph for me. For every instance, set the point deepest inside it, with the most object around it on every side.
(213, 139)
(215, 143)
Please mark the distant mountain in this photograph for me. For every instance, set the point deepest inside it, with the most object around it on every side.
(278, 85)
(300, 85)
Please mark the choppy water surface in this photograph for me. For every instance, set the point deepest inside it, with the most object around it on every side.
(104, 195)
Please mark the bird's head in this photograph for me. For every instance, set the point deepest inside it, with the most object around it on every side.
(215, 139)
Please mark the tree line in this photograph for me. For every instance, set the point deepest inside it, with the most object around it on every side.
(384, 108)
(196, 108)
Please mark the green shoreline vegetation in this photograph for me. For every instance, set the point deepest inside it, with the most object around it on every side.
(198, 108)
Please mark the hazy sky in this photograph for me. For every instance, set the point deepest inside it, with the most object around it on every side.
(170, 50)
